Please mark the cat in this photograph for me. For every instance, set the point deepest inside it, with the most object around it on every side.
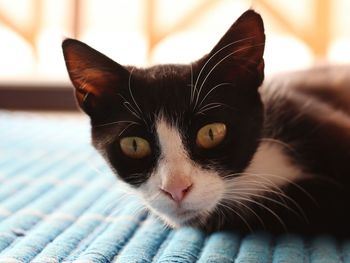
(212, 145)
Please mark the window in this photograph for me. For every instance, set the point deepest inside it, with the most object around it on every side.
(144, 32)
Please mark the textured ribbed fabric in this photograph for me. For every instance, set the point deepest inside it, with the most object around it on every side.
(60, 203)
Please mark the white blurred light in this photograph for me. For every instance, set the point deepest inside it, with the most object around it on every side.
(124, 48)
(182, 47)
(51, 63)
(16, 56)
(283, 53)
(339, 51)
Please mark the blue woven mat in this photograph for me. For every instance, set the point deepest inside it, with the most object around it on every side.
(60, 203)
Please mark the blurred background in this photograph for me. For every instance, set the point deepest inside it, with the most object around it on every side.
(299, 33)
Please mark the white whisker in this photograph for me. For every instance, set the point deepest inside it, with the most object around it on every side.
(131, 94)
(246, 207)
(211, 90)
(131, 109)
(207, 108)
(113, 123)
(217, 64)
(214, 104)
(269, 185)
(237, 181)
(261, 176)
(216, 53)
(266, 208)
(127, 127)
(192, 87)
(285, 145)
(238, 214)
(235, 194)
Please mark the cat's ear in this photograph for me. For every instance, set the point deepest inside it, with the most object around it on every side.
(94, 76)
(241, 49)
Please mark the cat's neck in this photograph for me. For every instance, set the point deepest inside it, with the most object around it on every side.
(271, 166)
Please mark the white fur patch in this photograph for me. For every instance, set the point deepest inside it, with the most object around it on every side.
(269, 169)
(276, 166)
(207, 186)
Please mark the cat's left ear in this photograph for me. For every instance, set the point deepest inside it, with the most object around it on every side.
(240, 51)
(96, 77)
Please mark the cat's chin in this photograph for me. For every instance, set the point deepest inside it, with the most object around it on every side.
(178, 218)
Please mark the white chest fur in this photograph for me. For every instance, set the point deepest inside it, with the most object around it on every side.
(271, 165)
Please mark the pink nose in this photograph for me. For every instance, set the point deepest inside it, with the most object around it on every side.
(177, 190)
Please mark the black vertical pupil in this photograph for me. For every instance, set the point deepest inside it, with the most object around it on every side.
(211, 135)
(134, 145)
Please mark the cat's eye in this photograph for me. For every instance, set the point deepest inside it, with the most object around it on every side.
(135, 147)
(211, 135)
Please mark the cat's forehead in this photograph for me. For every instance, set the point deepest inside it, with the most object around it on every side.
(178, 93)
(165, 71)
(162, 76)
(161, 89)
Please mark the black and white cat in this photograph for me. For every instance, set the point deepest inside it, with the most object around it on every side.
(207, 145)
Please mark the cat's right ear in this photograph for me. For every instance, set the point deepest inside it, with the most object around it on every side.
(94, 76)
(239, 53)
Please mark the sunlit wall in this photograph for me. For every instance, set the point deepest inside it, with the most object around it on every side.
(144, 32)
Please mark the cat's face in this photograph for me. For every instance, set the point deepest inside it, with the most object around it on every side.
(176, 133)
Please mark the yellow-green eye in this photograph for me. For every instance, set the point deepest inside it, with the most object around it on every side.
(135, 147)
(211, 135)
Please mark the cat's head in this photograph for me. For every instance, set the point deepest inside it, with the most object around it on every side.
(176, 133)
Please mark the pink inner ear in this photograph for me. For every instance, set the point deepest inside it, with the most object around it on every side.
(93, 81)
(91, 84)
(93, 74)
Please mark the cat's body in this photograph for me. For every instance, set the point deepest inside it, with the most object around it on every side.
(307, 118)
(203, 147)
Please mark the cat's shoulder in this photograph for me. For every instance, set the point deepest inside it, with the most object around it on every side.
(322, 85)
(310, 111)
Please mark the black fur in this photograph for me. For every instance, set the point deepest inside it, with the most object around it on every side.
(318, 132)
(126, 101)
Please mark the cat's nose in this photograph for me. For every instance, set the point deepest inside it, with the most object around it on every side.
(177, 190)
